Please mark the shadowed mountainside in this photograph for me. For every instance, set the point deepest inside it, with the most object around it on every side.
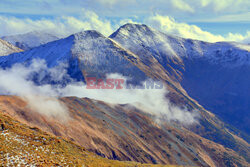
(214, 74)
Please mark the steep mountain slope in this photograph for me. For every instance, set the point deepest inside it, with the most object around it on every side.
(143, 39)
(24, 145)
(89, 53)
(86, 52)
(6, 48)
(30, 39)
(124, 133)
(215, 74)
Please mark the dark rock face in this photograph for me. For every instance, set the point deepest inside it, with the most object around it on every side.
(2, 126)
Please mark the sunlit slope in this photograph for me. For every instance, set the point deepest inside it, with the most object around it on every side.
(24, 145)
(125, 133)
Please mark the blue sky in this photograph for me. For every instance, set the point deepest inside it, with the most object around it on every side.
(209, 20)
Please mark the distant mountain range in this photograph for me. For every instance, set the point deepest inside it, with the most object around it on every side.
(30, 40)
(208, 77)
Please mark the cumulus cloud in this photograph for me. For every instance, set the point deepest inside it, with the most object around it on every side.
(239, 37)
(169, 25)
(42, 97)
(62, 26)
(89, 20)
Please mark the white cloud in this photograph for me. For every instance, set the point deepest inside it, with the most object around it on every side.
(152, 101)
(67, 25)
(239, 37)
(103, 26)
(125, 21)
(170, 26)
(15, 81)
(64, 25)
(41, 97)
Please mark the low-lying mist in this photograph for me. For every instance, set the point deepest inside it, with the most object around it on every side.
(28, 82)
(16, 81)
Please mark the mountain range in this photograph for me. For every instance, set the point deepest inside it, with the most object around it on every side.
(30, 40)
(211, 78)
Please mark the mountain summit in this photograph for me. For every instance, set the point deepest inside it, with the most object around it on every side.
(87, 52)
(141, 38)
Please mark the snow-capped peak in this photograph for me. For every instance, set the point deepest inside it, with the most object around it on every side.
(132, 28)
(141, 39)
(88, 34)
(87, 50)
(145, 41)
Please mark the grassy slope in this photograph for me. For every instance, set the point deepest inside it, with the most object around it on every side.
(22, 145)
(100, 128)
